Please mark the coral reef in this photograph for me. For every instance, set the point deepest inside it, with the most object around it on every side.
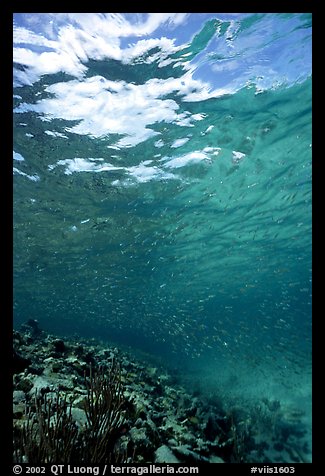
(78, 400)
(50, 433)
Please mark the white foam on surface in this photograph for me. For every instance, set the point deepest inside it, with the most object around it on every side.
(192, 157)
(17, 156)
(179, 142)
(83, 165)
(34, 178)
(103, 107)
(237, 156)
(141, 173)
(56, 134)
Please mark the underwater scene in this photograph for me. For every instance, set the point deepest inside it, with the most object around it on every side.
(162, 237)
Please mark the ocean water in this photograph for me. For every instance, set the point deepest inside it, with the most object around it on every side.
(162, 192)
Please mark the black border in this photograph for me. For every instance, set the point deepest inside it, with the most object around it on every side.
(6, 12)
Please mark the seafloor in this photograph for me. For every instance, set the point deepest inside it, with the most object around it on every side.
(76, 400)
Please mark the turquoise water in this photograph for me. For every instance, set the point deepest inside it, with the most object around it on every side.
(162, 190)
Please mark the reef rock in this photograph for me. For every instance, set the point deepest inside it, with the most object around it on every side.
(165, 455)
